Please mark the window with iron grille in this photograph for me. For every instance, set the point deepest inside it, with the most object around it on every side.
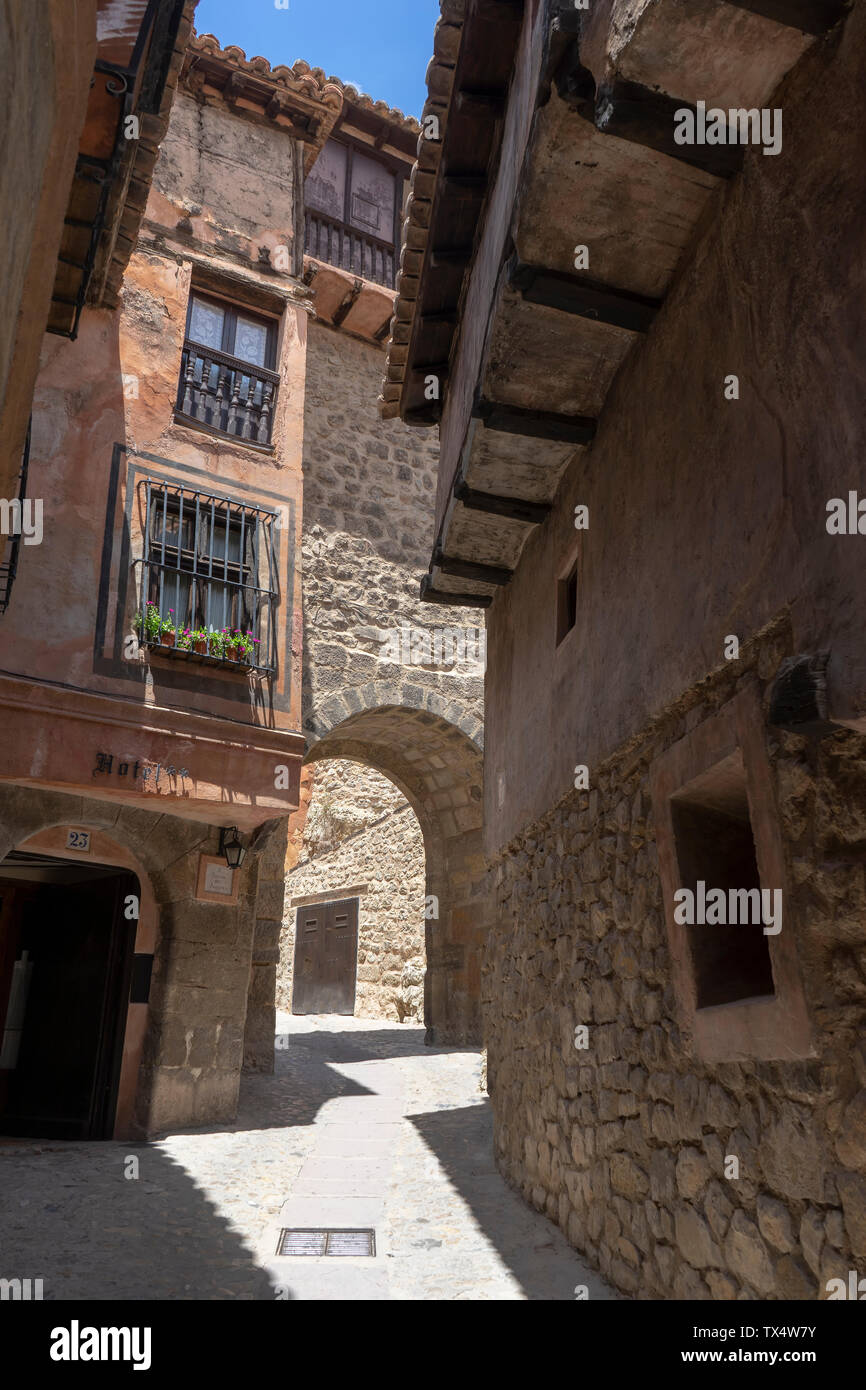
(228, 382)
(208, 584)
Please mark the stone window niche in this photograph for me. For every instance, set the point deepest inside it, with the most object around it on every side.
(566, 603)
(714, 844)
(738, 989)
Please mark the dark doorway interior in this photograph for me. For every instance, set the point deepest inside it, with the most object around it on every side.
(67, 936)
(326, 954)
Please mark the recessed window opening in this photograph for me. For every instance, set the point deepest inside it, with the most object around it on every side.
(208, 585)
(715, 846)
(353, 211)
(566, 604)
(228, 378)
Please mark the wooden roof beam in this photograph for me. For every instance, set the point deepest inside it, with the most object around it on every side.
(470, 569)
(574, 294)
(430, 594)
(450, 256)
(636, 113)
(348, 303)
(512, 508)
(535, 424)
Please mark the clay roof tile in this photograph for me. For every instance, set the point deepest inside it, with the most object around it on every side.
(440, 79)
(301, 77)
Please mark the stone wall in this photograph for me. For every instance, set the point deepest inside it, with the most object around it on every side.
(269, 848)
(362, 833)
(367, 533)
(193, 1054)
(371, 692)
(228, 181)
(348, 799)
(624, 1144)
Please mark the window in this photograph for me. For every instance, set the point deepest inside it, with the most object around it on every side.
(231, 330)
(208, 584)
(353, 207)
(228, 381)
(730, 924)
(715, 846)
(566, 604)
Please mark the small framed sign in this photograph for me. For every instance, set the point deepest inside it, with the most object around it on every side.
(217, 883)
(78, 839)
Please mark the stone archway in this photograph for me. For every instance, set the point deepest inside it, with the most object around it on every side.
(106, 850)
(437, 765)
(190, 1033)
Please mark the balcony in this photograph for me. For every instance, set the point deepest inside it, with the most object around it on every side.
(226, 395)
(340, 245)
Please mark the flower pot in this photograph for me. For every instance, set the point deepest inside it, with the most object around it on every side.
(168, 639)
(200, 646)
(232, 654)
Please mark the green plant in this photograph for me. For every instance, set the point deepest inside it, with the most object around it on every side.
(147, 624)
(243, 645)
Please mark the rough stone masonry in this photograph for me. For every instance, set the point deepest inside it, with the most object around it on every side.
(363, 838)
(625, 1146)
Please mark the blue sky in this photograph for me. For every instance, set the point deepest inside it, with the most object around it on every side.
(382, 46)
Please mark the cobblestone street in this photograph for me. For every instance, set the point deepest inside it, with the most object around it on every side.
(361, 1126)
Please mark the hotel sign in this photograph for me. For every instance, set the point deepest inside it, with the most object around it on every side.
(148, 773)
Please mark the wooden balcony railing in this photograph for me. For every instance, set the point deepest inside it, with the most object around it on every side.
(346, 247)
(226, 394)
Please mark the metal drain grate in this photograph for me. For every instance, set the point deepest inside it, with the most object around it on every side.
(312, 1242)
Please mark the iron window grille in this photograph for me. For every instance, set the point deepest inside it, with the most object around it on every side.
(228, 381)
(208, 577)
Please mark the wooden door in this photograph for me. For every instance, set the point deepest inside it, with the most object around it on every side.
(326, 952)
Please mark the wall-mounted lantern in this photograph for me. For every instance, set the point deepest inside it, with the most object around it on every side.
(232, 847)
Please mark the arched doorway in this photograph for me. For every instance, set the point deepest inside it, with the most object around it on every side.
(353, 936)
(438, 768)
(72, 1010)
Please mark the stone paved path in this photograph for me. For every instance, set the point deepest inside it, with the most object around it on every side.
(362, 1126)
